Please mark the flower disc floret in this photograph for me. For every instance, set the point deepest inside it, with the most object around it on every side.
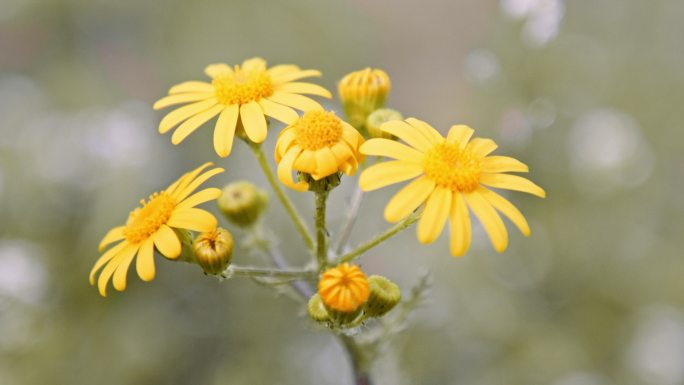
(453, 168)
(242, 87)
(147, 219)
(318, 129)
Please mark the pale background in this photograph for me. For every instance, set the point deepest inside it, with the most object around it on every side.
(587, 93)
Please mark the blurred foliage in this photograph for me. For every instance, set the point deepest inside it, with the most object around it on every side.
(585, 92)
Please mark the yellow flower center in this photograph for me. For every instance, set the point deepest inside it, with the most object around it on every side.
(453, 168)
(241, 87)
(149, 217)
(318, 129)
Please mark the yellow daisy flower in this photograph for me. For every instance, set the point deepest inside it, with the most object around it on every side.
(344, 288)
(451, 174)
(320, 144)
(152, 226)
(249, 91)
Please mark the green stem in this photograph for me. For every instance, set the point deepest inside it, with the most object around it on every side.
(350, 256)
(289, 207)
(359, 363)
(261, 272)
(321, 232)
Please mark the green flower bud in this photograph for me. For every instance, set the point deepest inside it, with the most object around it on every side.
(214, 250)
(317, 310)
(242, 203)
(384, 296)
(377, 118)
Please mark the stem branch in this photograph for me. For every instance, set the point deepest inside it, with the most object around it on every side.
(321, 232)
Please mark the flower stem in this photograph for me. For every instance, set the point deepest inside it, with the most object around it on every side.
(321, 232)
(359, 364)
(352, 213)
(350, 256)
(261, 272)
(289, 207)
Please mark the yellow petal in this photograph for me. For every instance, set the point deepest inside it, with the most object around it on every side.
(108, 271)
(496, 164)
(512, 182)
(383, 174)
(408, 199)
(198, 198)
(408, 134)
(506, 208)
(181, 98)
(306, 161)
(481, 146)
(121, 272)
(224, 132)
(391, 149)
(434, 217)
(305, 88)
(112, 235)
(180, 195)
(433, 135)
(351, 136)
(490, 219)
(180, 114)
(282, 68)
(286, 139)
(277, 111)
(285, 170)
(144, 264)
(342, 152)
(285, 77)
(326, 164)
(299, 102)
(459, 226)
(460, 134)
(193, 219)
(214, 70)
(106, 257)
(190, 125)
(167, 242)
(191, 86)
(254, 64)
(184, 180)
(253, 121)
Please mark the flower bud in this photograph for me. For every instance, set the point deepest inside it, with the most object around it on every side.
(214, 250)
(363, 92)
(384, 296)
(377, 118)
(317, 310)
(242, 203)
(343, 290)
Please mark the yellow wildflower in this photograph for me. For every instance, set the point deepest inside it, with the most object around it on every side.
(152, 226)
(320, 144)
(249, 92)
(451, 174)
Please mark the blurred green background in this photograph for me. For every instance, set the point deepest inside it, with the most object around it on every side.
(586, 92)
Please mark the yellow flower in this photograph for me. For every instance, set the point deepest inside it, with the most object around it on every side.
(250, 91)
(320, 144)
(344, 288)
(451, 177)
(152, 226)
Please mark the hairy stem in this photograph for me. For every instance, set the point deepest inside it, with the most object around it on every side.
(265, 272)
(321, 232)
(359, 363)
(379, 239)
(289, 207)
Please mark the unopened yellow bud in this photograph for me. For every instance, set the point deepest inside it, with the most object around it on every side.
(377, 118)
(317, 310)
(214, 250)
(384, 296)
(242, 203)
(363, 92)
(344, 291)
